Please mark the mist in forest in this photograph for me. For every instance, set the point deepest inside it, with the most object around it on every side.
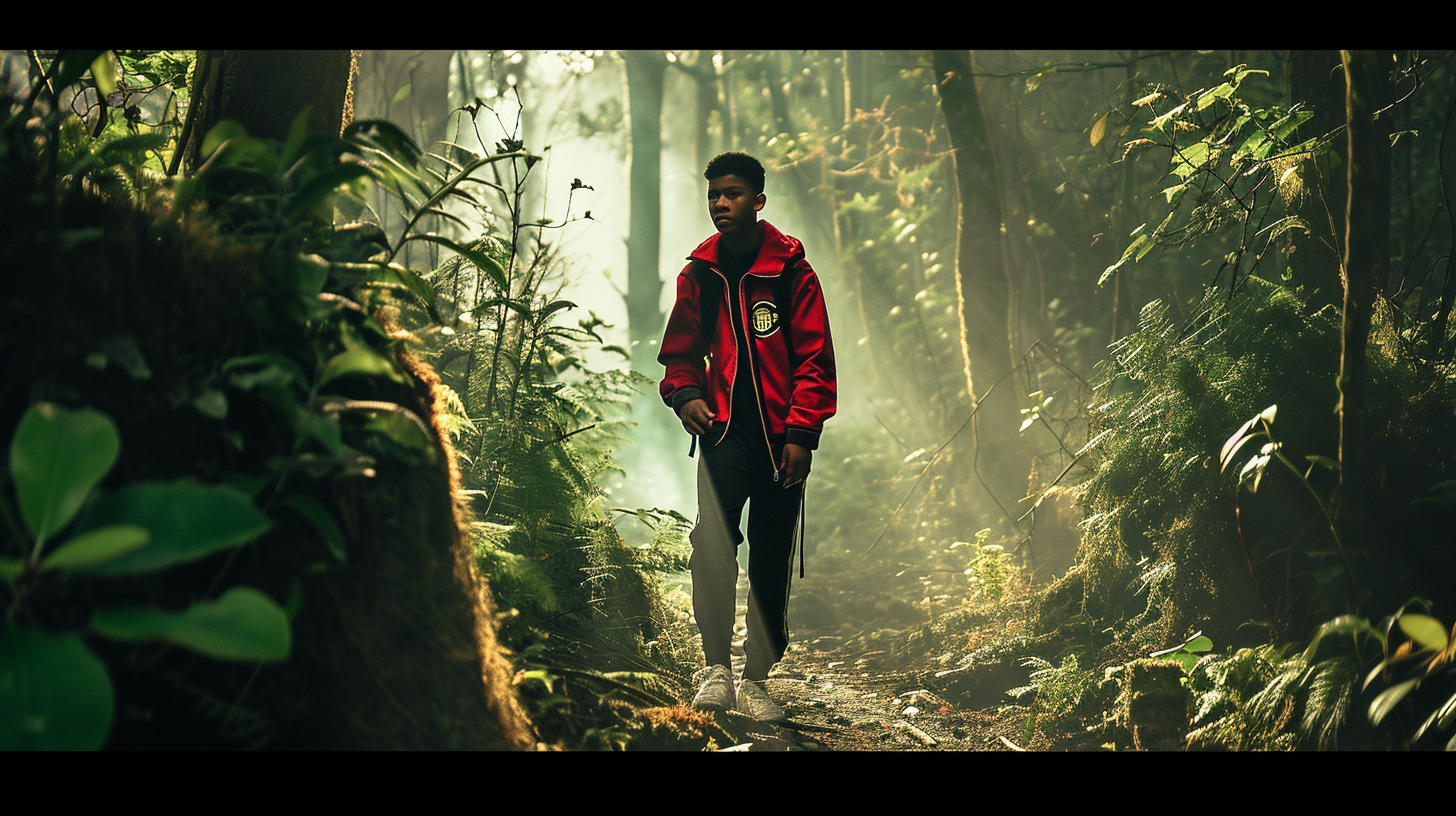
(1000, 230)
(902, 390)
(866, 182)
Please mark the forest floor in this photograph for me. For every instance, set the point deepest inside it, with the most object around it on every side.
(872, 667)
(838, 702)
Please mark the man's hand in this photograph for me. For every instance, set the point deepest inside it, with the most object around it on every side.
(794, 464)
(696, 417)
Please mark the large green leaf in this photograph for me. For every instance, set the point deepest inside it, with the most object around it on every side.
(318, 186)
(54, 694)
(96, 546)
(220, 134)
(1424, 630)
(56, 458)
(1387, 700)
(244, 624)
(74, 64)
(186, 522)
(362, 361)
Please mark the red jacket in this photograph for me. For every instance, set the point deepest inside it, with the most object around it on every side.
(796, 386)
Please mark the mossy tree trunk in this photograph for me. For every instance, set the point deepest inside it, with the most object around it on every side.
(266, 90)
(397, 648)
(1367, 253)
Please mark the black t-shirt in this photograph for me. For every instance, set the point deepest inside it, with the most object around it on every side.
(745, 409)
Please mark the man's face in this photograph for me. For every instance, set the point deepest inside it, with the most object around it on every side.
(732, 204)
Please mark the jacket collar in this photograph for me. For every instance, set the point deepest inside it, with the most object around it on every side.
(777, 250)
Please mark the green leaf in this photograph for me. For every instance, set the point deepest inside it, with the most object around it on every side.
(54, 694)
(317, 187)
(297, 131)
(1387, 700)
(244, 624)
(271, 369)
(1190, 159)
(362, 362)
(1326, 462)
(1223, 91)
(10, 569)
(1254, 468)
(323, 427)
(103, 70)
(1446, 713)
(96, 546)
(309, 273)
(1107, 273)
(220, 134)
(405, 431)
(73, 65)
(56, 457)
(186, 522)
(1231, 447)
(212, 403)
(320, 518)
(481, 260)
(387, 136)
(418, 287)
(1161, 122)
(1424, 630)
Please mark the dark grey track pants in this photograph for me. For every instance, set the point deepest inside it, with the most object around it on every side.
(732, 473)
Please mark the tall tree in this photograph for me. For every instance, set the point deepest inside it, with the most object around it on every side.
(1317, 79)
(266, 90)
(982, 282)
(1367, 257)
(645, 76)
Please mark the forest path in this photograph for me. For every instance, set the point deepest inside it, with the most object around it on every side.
(859, 693)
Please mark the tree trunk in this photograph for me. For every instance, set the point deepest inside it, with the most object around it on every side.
(1367, 253)
(705, 84)
(1124, 311)
(982, 284)
(1317, 80)
(265, 90)
(645, 75)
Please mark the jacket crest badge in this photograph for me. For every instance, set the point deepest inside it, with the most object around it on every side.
(764, 317)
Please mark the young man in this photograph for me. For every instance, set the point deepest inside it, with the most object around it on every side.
(750, 371)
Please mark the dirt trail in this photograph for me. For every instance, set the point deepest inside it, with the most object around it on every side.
(851, 694)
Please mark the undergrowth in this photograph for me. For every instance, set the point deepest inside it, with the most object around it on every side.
(534, 425)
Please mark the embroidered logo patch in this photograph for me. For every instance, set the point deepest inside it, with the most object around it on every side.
(765, 318)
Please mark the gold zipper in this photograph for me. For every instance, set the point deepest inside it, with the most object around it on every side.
(752, 374)
(731, 380)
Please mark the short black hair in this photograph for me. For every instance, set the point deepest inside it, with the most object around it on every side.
(738, 164)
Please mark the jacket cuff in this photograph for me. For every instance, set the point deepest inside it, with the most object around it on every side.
(684, 395)
(803, 438)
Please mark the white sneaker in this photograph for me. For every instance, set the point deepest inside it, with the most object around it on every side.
(716, 691)
(755, 702)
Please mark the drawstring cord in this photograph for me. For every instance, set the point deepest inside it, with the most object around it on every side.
(803, 488)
